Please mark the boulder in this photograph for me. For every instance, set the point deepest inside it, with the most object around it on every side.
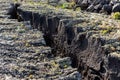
(91, 8)
(84, 4)
(13, 11)
(98, 7)
(116, 7)
(107, 9)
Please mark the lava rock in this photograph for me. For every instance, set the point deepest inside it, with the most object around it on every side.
(107, 8)
(83, 4)
(116, 7)
(98, 7)
(91, 8)
(13, 11)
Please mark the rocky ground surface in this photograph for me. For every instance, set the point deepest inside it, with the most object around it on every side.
(88, 41)
(24, 54)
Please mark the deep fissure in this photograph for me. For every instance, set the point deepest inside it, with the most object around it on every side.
(85, 51)
(45, 27)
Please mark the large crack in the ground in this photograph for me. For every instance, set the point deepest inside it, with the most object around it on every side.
(85, 49)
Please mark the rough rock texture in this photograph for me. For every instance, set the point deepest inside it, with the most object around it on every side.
(98, 6)
(89, 39)
(24, 54)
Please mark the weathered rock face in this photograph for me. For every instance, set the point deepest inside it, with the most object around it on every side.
(85, 48)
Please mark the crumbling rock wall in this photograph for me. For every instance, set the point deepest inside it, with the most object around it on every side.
(85, 48)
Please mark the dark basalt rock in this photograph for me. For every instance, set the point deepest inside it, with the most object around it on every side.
(46, 24)
(116, 8)
(113, 65)
(98, 8)
(83, 4)
(104, 6)
(85, 49)
(13, 11)
(107, 9)
(91, 8)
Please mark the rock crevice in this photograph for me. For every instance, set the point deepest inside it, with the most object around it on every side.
(84, 47)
